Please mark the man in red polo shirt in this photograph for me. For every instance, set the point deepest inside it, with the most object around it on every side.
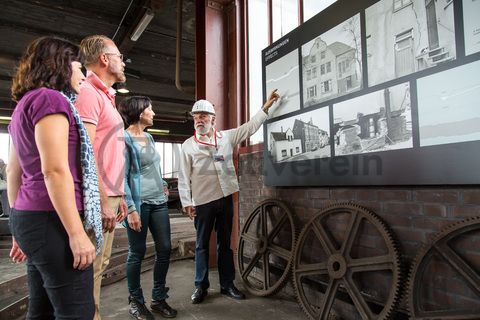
(96, 106)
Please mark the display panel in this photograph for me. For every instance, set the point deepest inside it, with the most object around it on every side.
(449, 111)
(301, 137)
(408, 36)
(332, 63)
(283, 76)
(471, 20)
(411, 119)
(378, 121)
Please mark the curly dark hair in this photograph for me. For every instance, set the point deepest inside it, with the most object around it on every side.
(131, 107)
(45, 63)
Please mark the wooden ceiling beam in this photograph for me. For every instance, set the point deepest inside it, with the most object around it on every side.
(162, 99)
(37, 31)
(152, 78)
(125, 43)
(57, 6)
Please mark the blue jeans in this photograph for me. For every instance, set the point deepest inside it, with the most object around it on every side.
(57, 291)
(218, 214)
(154, 217)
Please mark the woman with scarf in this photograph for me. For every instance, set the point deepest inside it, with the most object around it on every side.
(52, 186)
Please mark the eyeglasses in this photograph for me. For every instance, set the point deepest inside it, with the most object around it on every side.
(115, 54)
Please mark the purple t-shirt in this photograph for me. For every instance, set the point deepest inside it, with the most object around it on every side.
(33, 106)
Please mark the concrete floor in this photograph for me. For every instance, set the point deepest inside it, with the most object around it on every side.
(114, 300)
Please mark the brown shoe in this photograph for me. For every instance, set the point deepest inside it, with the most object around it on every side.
(163, 308)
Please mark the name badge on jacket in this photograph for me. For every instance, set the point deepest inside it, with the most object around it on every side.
(218, 157)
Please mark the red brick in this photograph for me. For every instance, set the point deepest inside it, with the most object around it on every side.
(471, 197)
(409, 234)
(319, 193)
(432, 224)
(436, 195)
(367, 194)
(343, 194)
(321, 204)
(464, 211)
(394, 195)
(268, 192)
(436, 210)
(397, 220)
(402, 208)
(282, 192)
(411, 248)
(297, 194)
(374, 206)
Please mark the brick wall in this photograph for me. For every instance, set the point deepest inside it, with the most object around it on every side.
(413, 213)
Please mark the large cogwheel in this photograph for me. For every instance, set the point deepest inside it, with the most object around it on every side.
(444, 280)
(346, 265)
(266, 246)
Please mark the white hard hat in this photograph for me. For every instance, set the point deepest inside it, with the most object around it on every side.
(203, 106)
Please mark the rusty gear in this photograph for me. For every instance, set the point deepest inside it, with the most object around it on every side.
(265, 248)
(344, 254)
(447, 265)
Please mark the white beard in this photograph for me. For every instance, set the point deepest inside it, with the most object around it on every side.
(203, 130)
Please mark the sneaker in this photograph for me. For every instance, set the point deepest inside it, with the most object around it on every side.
(163, 308)
(139, 311)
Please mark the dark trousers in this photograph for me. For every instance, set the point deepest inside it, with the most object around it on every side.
(57, 291)
(4, 202)
(154, 217)
(218, 214)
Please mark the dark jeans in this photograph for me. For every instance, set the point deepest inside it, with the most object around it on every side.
(218, 214)
(154, 217)
(57, 291)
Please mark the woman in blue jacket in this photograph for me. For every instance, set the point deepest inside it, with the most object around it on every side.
(146, 196)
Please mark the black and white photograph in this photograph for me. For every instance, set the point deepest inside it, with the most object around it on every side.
(301, 137)
(378, 121)
(332, 63)
(471, 25)
(448, 111)
(283, 75)
(408, 36)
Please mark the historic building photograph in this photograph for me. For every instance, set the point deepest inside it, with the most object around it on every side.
(471, 26)
(406, 36)
(378, 121)
(332, 63)
(448, 111)
(301, 137)
(283, 75)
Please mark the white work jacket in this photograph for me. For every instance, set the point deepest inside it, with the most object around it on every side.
(206, 172)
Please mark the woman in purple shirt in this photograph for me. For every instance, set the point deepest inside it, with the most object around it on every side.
(45, 183)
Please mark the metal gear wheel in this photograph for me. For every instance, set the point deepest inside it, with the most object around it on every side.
(266, 247)
(444, 280)
(346, 253)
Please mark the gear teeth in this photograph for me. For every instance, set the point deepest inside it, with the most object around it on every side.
(281, 282)
(423, 251)
(388, 237)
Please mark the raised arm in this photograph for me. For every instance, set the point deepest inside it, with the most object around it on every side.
(249, 128)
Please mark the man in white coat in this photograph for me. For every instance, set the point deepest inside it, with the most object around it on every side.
(206, 183)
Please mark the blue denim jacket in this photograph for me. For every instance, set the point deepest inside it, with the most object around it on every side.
(133, 173)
